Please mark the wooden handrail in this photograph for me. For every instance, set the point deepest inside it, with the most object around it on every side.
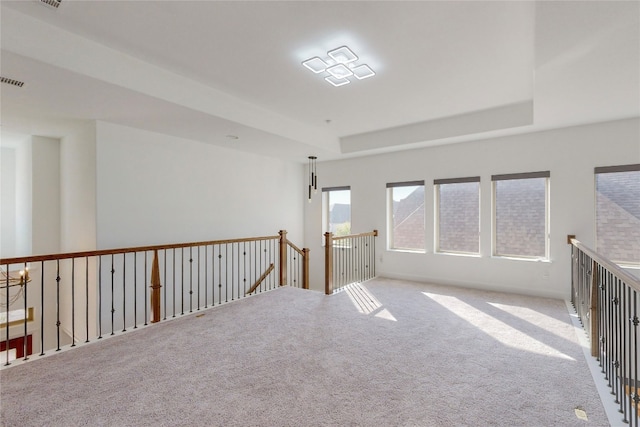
(264, 276)
(52, 257)
(141, 280)
(304, 253)
(294, 247)
(329, 248)
(369, 233)
(629, 279)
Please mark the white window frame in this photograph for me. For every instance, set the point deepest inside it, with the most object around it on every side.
(436, 214)
(326, 198)
(610, 169)
(390, 220)
(547, 231)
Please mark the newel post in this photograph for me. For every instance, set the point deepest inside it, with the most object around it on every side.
(155, 289)
(283, 257)
(328, 263)
(594, 335)
(305, 268)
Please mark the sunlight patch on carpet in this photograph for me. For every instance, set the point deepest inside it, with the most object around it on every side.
(384, 314)
(536, 318)
(366, 303)
(362, 299)
(497, 329)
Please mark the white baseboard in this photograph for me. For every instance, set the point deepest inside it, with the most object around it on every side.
(476, 285)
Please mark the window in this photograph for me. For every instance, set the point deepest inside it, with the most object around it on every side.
(618, 213)
(520, 215)
(406, 215)
(458, 215)
(336, 210)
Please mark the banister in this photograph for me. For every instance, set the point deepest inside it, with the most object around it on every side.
(614, 268)
(605, 297)
(295, 248)
(68, 255)
(282, 235)
(155, 289)
(373, 233)
(342, 268)
(261, 279)
(305, 268)
(328, 263)
(120, 279)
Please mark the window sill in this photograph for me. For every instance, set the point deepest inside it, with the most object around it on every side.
(460, 254)
(408, 251)
(515, 258)
(628, 266)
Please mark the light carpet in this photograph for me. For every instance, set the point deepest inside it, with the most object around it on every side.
(384, 353)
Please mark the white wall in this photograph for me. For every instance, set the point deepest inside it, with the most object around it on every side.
(35, 203)
(570, 154)
(106, 186)
(45, 232)
(7, 201)
(77, 227)
(156, 189)
(23, 199)
(78, 189)
(45, 193)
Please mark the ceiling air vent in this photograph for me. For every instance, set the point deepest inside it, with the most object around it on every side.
(52, 3)
(11, 81)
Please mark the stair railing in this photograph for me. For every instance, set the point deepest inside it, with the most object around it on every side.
(50, 302)
(607, 301)
(349, 259)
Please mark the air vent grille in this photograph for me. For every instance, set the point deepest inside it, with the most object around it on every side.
(11, 81)
(52, 3)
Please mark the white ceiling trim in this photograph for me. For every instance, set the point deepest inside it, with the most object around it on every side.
(499, 118)
(35, 39)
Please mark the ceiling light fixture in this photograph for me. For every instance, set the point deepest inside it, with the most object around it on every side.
(340, 65)
(336, 81)
(340, 71)
(343, 55)
(313, 176)
(362, 72)
(315, 64)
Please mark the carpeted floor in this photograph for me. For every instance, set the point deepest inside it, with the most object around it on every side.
(386, 353)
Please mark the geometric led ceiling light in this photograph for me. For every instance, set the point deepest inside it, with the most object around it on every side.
(340, 71)
(316, 65)
(362, 72)
(342, 55)
(337, 81)
(339, 66)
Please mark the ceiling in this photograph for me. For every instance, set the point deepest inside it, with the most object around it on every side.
(206, 70)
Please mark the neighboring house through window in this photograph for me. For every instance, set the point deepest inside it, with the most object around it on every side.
(336, 210)
(458, 215)
(618, 213)
(406, 215)
(521, 215)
